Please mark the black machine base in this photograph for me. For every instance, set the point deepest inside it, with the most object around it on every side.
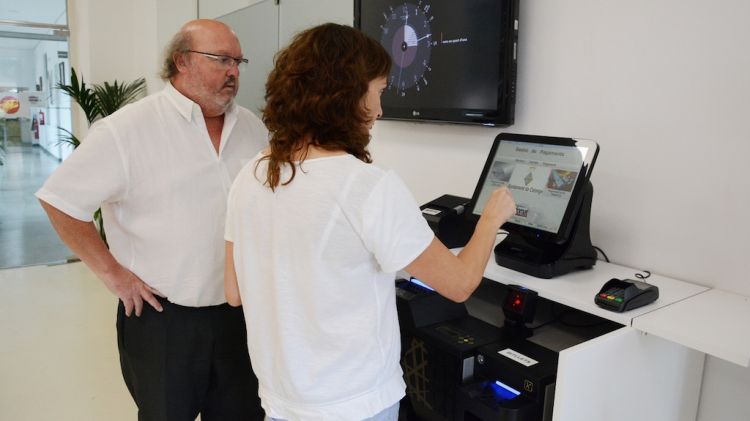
(522, 255)
(479, 401)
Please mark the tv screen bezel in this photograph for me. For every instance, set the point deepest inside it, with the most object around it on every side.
(536, 235)
(503, 114)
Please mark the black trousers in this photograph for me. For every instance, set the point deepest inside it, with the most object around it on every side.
(187, 361)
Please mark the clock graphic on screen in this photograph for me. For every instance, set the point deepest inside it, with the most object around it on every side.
(407, 36)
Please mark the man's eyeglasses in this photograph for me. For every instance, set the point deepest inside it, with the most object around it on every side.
(225, 62)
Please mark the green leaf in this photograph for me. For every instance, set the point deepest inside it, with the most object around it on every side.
(84, 96)
(99, 223)
(112, 97)
(67, 138)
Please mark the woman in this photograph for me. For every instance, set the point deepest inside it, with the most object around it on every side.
(315, 234)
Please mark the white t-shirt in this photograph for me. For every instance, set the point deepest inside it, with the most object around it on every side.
(316, 262)
(162, 189)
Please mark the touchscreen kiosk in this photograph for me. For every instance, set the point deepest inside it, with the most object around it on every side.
(549, 180)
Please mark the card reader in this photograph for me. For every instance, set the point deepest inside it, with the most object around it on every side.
(625, 294)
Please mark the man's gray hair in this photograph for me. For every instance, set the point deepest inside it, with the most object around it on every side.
(179, 44)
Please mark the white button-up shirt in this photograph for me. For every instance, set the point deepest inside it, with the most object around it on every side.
(162, 188)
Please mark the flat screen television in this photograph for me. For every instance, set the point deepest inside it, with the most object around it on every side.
(453, 61)
(549, 180)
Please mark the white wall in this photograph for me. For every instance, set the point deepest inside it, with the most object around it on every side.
(123, 47)
(257, 22)
(112, 40)
(275, 24)
(46, 66)
(662, 86)
(17, 68)
(170, 16)
(125, 40)
(209, 9)
(296, 15)
(57, 105)
(82, 51)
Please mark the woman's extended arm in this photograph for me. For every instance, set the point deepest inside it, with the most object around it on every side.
(456, 277)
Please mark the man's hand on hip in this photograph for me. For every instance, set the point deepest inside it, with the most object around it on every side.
(83, 239)
(132, 291)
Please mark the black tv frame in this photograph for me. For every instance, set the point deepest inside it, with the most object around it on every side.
(504, 113)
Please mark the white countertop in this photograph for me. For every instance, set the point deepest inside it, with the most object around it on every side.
(578, 289)
(715, 322)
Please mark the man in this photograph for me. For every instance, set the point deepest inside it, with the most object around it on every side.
(160, 169)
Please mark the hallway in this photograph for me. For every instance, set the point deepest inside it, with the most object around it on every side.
(26, 236)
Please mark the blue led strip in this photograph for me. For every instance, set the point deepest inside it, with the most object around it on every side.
(421, 284)
(504, 391)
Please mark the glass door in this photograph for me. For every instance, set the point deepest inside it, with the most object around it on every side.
(33, 61)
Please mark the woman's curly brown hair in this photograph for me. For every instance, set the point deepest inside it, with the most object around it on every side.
(316, 89)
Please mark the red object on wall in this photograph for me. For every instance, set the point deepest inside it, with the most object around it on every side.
(35, 127)
(41, 118)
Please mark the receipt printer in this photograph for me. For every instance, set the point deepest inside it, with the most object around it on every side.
(445, 215)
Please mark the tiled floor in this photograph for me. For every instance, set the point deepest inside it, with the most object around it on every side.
(58, 352)
(58, 342)
(26, 236)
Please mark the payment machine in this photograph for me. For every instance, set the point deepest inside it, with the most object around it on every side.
(458, 367)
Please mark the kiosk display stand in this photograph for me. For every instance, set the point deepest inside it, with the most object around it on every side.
(514, 378)
(547, 261)
(548, 178)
